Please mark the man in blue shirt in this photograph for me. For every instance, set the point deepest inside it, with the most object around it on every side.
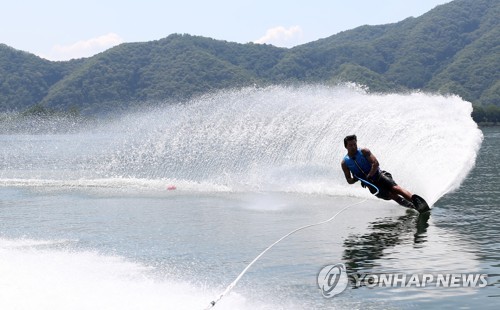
(362, 164)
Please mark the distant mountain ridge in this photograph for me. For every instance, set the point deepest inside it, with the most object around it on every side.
(453, 48)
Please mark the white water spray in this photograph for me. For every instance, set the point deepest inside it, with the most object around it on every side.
(272, 139)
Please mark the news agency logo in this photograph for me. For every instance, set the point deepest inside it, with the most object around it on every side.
(333, 280)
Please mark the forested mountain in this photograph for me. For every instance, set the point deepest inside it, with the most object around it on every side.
(454, 48)
(25, 79)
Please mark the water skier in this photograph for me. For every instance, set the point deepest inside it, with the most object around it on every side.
(361, 164)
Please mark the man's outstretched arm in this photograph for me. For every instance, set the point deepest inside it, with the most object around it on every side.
(347, 174)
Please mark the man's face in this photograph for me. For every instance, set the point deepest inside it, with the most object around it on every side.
(352, 147)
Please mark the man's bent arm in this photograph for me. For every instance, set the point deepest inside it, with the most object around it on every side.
(372, 160)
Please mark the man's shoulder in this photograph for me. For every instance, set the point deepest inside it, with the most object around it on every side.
(366, 151)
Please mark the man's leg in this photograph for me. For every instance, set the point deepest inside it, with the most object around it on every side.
(398, 190)
(385, 180)
(400, 200)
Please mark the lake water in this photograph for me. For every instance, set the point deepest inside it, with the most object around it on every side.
(87, 221)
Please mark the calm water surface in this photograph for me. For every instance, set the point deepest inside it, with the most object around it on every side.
(180, 249)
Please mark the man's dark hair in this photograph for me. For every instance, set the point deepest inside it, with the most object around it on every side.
(350, 138)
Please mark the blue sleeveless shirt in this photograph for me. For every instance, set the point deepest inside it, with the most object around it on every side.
(358, 162)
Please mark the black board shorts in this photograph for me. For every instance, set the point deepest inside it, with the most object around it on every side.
(384, 183)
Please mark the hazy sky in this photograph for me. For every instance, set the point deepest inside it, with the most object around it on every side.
(65, 29)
